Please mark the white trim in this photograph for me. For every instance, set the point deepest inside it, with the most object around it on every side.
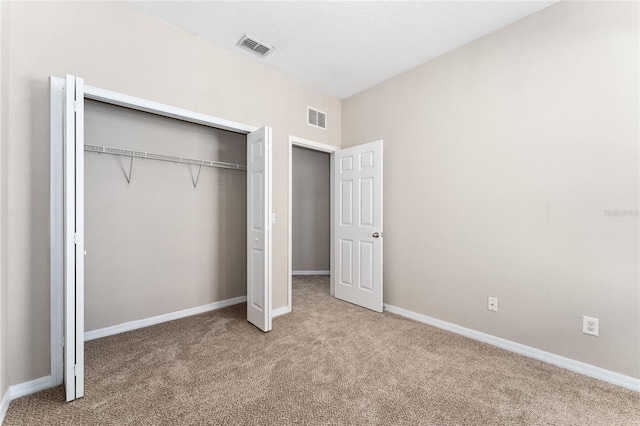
(27, 388)
(139, 104)
(280, 311)
(134, 325)
(4, 405)
(79, 236)
(528, 351)
(316, 146)
(332, 225)
(23, 389)
(56, 226)
(324, 272)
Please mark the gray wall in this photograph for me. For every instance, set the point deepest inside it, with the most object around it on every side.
(159, 245)
(501, 159)
(310, 210)
(116, 47)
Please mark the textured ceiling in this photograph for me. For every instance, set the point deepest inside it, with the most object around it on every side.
(343, 47)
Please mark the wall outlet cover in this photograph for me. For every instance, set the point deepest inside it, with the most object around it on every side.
(492, 304)
(591, 326)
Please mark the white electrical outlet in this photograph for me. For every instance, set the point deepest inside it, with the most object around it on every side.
(492, 304)
(591, 326)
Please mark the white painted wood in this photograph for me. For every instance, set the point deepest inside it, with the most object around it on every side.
(79, 237)
(69, 236)
(332, 226)
(56, 227)
(157, 108)
(317, 146)
(323, 272)
(528, 351)
(357, 217)
(280, 311)
(259, 228)
(146, 322)
(4, 405)
(30, 387)
(74, 238)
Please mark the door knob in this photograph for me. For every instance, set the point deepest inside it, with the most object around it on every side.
(376, 235)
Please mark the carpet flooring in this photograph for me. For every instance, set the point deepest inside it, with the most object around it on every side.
(327, 362)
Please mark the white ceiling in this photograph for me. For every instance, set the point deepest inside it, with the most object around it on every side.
(343, 47)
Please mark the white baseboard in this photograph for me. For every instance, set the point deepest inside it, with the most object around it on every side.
(311, 272)
(528, 351)
(20, 390)
(133, 325)
(27, 388)
(280, 311)
(4, 405)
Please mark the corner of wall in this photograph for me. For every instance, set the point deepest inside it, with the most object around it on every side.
(4, 100)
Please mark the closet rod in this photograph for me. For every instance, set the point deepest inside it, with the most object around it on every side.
(162, 157)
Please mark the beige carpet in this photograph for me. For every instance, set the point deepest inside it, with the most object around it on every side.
(328, 362)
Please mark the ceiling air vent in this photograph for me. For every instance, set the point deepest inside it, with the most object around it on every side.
(316, 118)
(255, 46)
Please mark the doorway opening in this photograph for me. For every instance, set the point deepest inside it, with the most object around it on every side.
(68, 206)
(310, 213)
(310, 206)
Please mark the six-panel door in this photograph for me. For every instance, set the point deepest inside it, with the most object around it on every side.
(358, 225)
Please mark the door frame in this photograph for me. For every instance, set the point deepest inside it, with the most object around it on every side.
(320, 147)
(57, 86)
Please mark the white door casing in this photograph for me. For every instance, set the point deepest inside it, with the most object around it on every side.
(74, 238)
(357, 216)
(259, 228)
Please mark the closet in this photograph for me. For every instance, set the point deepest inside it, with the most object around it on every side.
(151, 246)
(160, 236)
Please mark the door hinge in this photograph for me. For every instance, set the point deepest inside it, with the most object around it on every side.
(75, 370)
(75, 238)
(76, 105)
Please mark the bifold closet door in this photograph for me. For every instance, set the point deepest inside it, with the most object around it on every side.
(74, 238)
(259, 228)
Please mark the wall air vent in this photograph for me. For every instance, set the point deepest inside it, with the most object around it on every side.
(316, 118)
(255, 46)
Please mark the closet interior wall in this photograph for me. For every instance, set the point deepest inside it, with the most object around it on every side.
(310, 210)
(157, 244)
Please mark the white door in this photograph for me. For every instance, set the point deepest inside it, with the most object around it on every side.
(357, 217)
(74, 238)
(259, 228)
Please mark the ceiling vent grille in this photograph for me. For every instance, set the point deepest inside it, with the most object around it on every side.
(255, 46)
(316, 118)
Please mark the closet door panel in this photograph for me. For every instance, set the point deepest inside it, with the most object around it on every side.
(74, 238)
(259, 228)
